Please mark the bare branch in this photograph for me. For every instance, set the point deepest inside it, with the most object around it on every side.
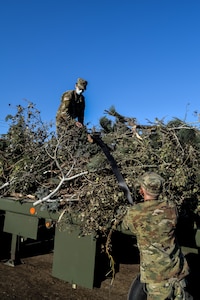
(58, 187)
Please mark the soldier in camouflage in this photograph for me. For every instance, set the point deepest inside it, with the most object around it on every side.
(163, 267)
(72, 106)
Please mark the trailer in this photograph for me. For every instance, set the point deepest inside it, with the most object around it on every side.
(73, 256)
(77, 259)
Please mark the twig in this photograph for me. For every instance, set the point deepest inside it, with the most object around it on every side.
(7, 184)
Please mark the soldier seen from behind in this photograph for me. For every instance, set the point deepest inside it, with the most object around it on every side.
(163, 267)
(72, 106)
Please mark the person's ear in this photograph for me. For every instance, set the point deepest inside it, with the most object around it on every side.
(141, 191)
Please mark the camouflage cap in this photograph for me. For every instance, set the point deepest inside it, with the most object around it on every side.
(151, 182)
(81, 83)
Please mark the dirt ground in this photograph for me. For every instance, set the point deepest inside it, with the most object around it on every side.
(32, 277)
(33, 280)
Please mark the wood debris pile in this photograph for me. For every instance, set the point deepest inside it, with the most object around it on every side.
(67, 170)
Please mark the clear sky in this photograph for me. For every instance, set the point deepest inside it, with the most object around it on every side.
(142, 56)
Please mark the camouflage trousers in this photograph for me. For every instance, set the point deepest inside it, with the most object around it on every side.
(168, 290)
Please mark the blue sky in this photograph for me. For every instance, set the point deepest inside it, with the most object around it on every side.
(142, 56)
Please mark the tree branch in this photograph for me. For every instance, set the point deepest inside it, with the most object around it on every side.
(58, 187)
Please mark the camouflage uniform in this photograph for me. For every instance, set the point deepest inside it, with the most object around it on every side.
(72, 106)
(153, 222)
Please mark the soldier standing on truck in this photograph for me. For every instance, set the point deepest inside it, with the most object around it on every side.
(163, 267)
(72, 106)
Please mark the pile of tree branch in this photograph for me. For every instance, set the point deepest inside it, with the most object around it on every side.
(66, 171)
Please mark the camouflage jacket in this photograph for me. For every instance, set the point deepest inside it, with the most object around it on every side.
(153, 223)
(72, 106)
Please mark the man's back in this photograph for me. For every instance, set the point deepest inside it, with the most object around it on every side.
(153, 222)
